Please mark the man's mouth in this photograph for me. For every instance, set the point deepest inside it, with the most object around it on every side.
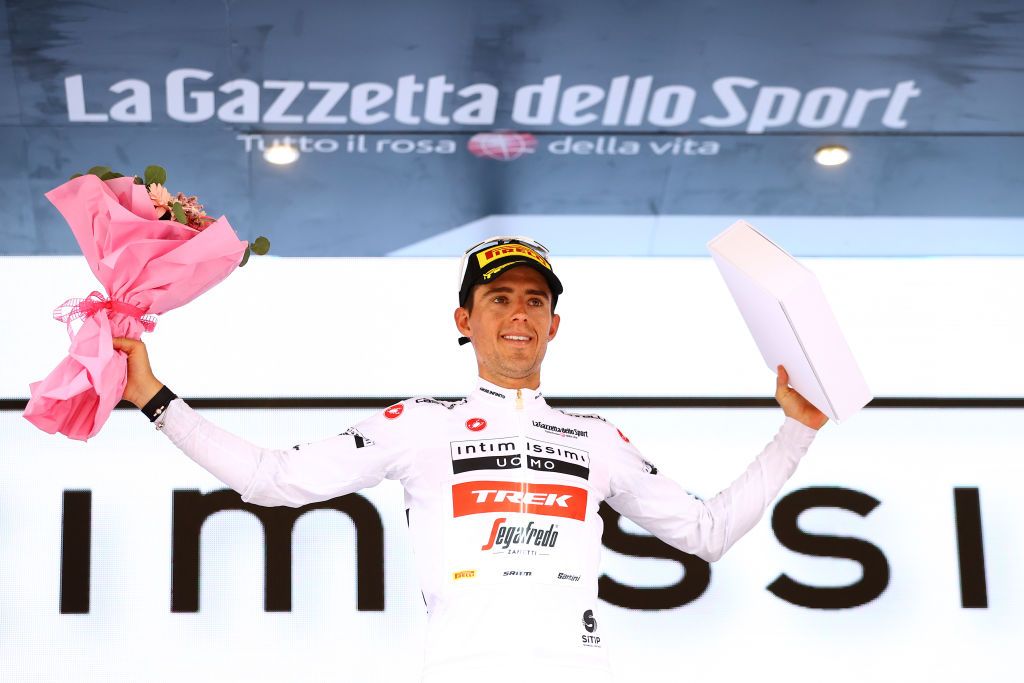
(517, 338)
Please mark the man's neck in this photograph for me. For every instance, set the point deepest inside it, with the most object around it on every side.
(531, 382)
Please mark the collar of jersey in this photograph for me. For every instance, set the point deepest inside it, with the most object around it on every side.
(492, 393)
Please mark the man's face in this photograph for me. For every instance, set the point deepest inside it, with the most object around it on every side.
(510, 326)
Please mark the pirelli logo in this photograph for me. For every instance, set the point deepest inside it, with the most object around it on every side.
(553, 500)
(464, 574)
(495, 253)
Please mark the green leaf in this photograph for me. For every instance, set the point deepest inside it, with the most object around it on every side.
(138, 180)
(260, 246)
(77, 175)
(98, 170)
(245, 257)
(179, 213)
(110, 176)
(155, 174)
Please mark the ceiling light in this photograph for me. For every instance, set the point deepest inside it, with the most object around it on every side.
(281, 154)
(832, 155)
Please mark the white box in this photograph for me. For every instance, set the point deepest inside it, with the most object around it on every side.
(785, 308)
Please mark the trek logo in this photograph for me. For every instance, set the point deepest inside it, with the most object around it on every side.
(394, 411)
(505, 536)
(475, 424)
(493, 253)
(553, 500)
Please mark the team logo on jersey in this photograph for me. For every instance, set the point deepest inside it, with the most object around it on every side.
(507, 453)
(563, 431)
(485, 454)
(464, 574)
(553, 500)
(475, 424)
(394, 411)
(552, 457)
(358, 437)
(590, 624)
(511, 538)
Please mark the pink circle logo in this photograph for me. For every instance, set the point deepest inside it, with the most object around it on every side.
(503, 145)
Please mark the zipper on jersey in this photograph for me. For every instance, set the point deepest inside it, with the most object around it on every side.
(522, 435)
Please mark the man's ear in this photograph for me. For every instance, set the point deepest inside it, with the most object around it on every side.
(462, 321)
(553, 330)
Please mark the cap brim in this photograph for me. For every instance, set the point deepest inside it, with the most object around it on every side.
(553, 282)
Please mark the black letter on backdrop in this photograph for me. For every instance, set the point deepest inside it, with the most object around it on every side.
(970, 549)
(696, 572)
(875, 567)
(75, 546)
(191, 508)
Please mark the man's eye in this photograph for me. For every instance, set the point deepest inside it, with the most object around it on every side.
(536, 302)
(500, 299)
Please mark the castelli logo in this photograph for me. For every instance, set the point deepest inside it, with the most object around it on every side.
(616, 429)
(475, 424)
(394, 411)
(503, 145)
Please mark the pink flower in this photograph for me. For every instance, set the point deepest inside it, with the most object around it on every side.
(160, 197)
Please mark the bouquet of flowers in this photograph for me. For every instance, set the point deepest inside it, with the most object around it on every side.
(152, 252)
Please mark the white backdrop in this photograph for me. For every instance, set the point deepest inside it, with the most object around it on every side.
(336, 327)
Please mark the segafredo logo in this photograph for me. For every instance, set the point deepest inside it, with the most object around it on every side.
(505, 536)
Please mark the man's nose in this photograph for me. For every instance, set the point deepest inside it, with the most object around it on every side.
(519, 309)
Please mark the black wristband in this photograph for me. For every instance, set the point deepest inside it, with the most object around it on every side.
(158, 404)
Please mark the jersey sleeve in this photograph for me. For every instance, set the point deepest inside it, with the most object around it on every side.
(359, 457)
(705, 528)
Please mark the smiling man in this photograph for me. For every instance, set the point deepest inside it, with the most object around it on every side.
(502, 490)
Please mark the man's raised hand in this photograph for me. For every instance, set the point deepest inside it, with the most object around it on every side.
(142, 385)
(794, 405)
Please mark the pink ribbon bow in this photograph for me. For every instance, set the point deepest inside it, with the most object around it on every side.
(76, 309)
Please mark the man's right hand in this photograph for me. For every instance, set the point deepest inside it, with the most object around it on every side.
(142, 385)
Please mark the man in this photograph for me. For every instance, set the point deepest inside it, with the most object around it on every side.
(502, 490)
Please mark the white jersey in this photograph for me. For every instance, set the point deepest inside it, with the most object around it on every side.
(502, 493)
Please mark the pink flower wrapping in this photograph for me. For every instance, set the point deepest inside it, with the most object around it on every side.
(154, 265)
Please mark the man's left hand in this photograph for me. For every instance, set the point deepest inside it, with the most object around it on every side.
(794, 405)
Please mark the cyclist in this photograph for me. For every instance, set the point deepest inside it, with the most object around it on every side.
(502, 490)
